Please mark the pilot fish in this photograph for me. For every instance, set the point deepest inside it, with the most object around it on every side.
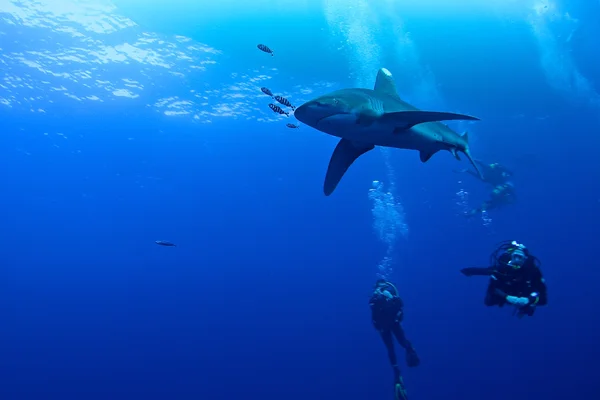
(285, 102)
(265, 48)
(266, 91)
(164, 243)
(278, 109)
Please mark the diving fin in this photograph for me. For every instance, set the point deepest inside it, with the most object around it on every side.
(399, 390)
(345, 153)
(412, 359)
(403, 120)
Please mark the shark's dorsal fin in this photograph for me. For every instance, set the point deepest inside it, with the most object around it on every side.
(342, 158)
(384, 83)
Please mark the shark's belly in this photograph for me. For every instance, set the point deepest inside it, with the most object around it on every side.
(409, 139)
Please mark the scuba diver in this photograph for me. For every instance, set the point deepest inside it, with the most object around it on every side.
(498, 176)
(501, 195)
(515, 278)
(495, 174)
(387, 314)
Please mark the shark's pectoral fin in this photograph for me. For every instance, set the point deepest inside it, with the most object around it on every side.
(342, 158)
(367, 117)
(403, 120)
(426, 155)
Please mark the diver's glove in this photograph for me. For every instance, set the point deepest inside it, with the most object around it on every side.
(517, 301)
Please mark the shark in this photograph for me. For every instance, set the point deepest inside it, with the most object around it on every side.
(365, 118)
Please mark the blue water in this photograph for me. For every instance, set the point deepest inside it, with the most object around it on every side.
(125, 123)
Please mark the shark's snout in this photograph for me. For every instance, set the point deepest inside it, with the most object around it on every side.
(302, 113)
(310, 113)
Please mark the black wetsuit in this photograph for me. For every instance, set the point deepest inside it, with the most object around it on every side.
(505, 280)
(499, 177)
(501, 195)
(387, 314)
(494, 174)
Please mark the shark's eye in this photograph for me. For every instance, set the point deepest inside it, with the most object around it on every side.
(336, 102)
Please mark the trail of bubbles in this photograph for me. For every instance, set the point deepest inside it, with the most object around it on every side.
(359, 24)
(553, 29)
(389, 221)
(487, 220)
(462, 200)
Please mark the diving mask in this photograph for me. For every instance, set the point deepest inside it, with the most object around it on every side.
(517, 255)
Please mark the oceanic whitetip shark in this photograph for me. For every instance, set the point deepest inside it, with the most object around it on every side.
(365, 118)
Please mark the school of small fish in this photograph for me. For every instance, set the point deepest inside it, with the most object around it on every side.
(280, 99)
(274, 107)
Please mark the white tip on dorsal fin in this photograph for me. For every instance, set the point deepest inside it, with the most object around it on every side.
(385, 83)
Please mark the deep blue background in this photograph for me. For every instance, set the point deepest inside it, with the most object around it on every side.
(265, 296)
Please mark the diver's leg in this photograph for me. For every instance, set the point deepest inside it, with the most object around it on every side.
(412, 359)
(399, 390)
(388, 341)
(400, 336)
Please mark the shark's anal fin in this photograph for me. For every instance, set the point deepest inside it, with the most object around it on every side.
(342, 158)
(403, 120)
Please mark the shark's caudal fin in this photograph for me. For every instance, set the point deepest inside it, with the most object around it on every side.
(404, 120)
(342, 158)
(467, 152)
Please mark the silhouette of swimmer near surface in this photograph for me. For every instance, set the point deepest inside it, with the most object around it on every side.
(164, 243)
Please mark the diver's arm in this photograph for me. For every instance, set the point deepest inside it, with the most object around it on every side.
(398, 303)
(477, 271)
(539, 295)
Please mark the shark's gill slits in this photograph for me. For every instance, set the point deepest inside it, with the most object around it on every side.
(376, 105)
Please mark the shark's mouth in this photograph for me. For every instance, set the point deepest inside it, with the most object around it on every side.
(337, 114)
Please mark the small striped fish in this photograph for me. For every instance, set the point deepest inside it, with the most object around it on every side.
(278, 109)
(265, 48)
(266, 91)
(285, 102)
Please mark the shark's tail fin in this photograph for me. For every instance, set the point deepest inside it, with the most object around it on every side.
(467, 152)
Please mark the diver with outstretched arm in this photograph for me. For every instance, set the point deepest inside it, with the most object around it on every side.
(387, 314)
(495, 173)
(515, 278)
